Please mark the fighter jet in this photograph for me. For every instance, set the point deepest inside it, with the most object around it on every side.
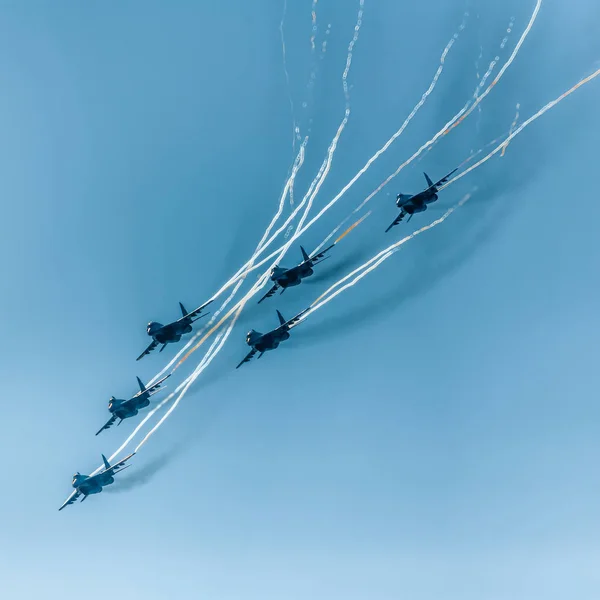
(262, 342)
(92, 484)
(285, 278)
(168, 334)
(409, 205)
(123, 409)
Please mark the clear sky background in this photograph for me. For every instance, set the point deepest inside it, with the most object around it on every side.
(431, 433)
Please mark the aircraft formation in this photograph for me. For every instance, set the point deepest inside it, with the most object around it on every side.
(259, 343)
(281, 278)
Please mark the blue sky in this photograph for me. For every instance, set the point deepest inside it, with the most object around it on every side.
(431, 432)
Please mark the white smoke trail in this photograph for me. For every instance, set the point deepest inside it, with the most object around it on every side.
(313, 13)
(507, 64)
(523, 125)
(512, 128)
(287, 80)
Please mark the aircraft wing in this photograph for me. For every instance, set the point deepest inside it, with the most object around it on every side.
(112, 468)
(289, 324)
(108, 424)
(269, 293)
(72, 498)
(444, 179)
(320, 254)
(248, 357)
(148, 349)
(194, 313)
(396, 221)
(152, 388)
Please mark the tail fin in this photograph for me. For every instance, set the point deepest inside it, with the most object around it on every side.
(282, 321)
(183, 311)
(304, 255)
(142, 386)
(429, 182)
(106, 463)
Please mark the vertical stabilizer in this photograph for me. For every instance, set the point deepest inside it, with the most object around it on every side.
(142, 386)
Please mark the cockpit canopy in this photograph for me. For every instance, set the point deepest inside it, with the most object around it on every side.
(276, 272)
(113, 403)
(153, 326)
(78, 478)
(252, 335)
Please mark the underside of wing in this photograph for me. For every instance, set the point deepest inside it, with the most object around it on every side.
(320, 254)
(195, 313)
(117, 465)
(108, 424)
(148, 349)
(270, 293)
(289, 324)
(72, 498)
(445, 178)
(248, 357)
(152, 388)
(396, 221)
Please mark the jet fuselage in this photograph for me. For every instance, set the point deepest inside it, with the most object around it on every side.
(91, 485)
(417, 203)
(293, 276)
(167, 334)
(267, 341)
(125, 409)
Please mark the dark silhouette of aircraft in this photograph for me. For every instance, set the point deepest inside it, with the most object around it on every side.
(263, 342)
(92, 484)
(409, 205)
(123, 409)
(285, 278)
(168, 334)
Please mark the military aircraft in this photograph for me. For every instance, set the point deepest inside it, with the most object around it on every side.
(167, 334)
(285, 278)
(263, 342)
(123, 409)
(92, 484)
(409, 205)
